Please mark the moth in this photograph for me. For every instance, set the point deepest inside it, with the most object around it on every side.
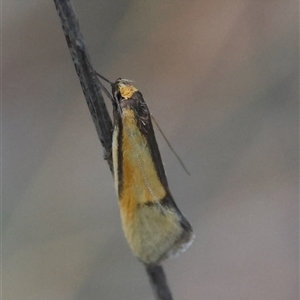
(153, 225)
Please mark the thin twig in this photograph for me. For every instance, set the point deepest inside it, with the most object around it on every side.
(158, 280)
(87, 77)
(92, 92)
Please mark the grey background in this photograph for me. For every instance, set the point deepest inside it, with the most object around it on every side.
(222, 79)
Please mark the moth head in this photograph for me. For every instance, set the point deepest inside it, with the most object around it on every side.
(123, 89)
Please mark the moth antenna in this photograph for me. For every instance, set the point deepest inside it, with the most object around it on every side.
(107, 93)
(103, 88)
(104, 78)
(98, 74)
(170, 146)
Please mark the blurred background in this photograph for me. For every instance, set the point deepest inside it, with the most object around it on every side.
(222, 79)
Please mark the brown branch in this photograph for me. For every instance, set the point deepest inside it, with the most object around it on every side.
(98, 110)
